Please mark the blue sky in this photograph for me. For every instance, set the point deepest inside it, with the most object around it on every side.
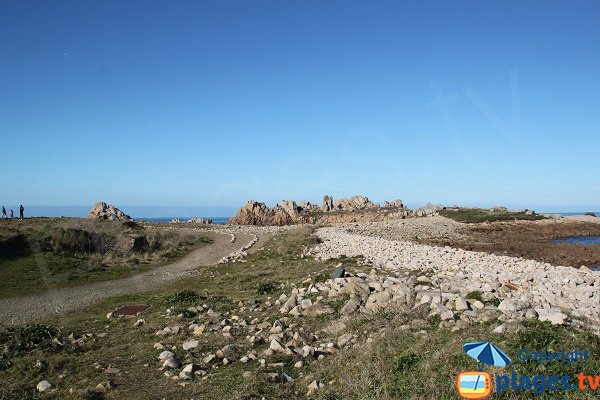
(195, 103)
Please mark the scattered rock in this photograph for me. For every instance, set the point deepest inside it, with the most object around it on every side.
(190, 344)
(339, 272)
(43, 386)
(172, 362)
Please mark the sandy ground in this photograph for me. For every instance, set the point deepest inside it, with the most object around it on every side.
(58, 301)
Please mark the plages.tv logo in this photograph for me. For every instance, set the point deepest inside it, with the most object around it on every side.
(478, 384)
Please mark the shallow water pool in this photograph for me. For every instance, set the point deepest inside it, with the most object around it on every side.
(582, 240)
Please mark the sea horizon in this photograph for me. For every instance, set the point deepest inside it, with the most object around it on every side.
(219, 214)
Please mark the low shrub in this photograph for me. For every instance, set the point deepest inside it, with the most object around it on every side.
(183, 296)
(81, 242)
(475, 295)
(267, 288)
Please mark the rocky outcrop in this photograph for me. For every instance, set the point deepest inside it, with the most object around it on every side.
(353, 209)
(430, 210)
(253, 213)
(307, 206)
(327, 203)
(354, 203)
(394, 203)
(286, 212)
(103, 211)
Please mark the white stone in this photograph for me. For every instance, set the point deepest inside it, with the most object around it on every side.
(190, 344)
(43, 386)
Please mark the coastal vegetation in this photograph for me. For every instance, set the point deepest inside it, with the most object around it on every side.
(477, 215)
(41, 254)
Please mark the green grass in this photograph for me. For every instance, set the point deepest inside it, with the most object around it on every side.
(397, 364)
(476, 215)
(475, 295)
(401, 365)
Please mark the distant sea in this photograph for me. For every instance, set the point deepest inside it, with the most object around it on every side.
(216, 220)
(570, 213)
(142, 213)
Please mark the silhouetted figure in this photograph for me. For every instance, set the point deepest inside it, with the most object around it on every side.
(12, 214)
(21, 211)
(4, 212)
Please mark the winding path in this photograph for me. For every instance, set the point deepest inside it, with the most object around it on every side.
(27, 309)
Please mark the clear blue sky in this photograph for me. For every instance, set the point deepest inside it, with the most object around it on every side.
(215, 102)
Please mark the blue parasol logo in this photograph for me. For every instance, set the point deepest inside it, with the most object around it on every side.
(487, 353)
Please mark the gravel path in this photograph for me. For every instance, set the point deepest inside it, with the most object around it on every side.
(31, 308)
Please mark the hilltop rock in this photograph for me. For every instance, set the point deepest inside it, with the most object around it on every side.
(104, 211)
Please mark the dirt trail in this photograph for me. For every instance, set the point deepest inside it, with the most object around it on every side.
(27, 309)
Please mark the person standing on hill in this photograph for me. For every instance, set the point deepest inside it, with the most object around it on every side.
(21, 211)
(12, 214)
(4, 212)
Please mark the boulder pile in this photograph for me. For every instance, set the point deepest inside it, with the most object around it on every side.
(103, 211)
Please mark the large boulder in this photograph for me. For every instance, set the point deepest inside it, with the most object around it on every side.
(101, 210)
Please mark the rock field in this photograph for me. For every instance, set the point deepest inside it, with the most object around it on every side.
(409, 229)
(524, 288)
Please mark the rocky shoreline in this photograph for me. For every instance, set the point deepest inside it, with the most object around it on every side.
(524, 289)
